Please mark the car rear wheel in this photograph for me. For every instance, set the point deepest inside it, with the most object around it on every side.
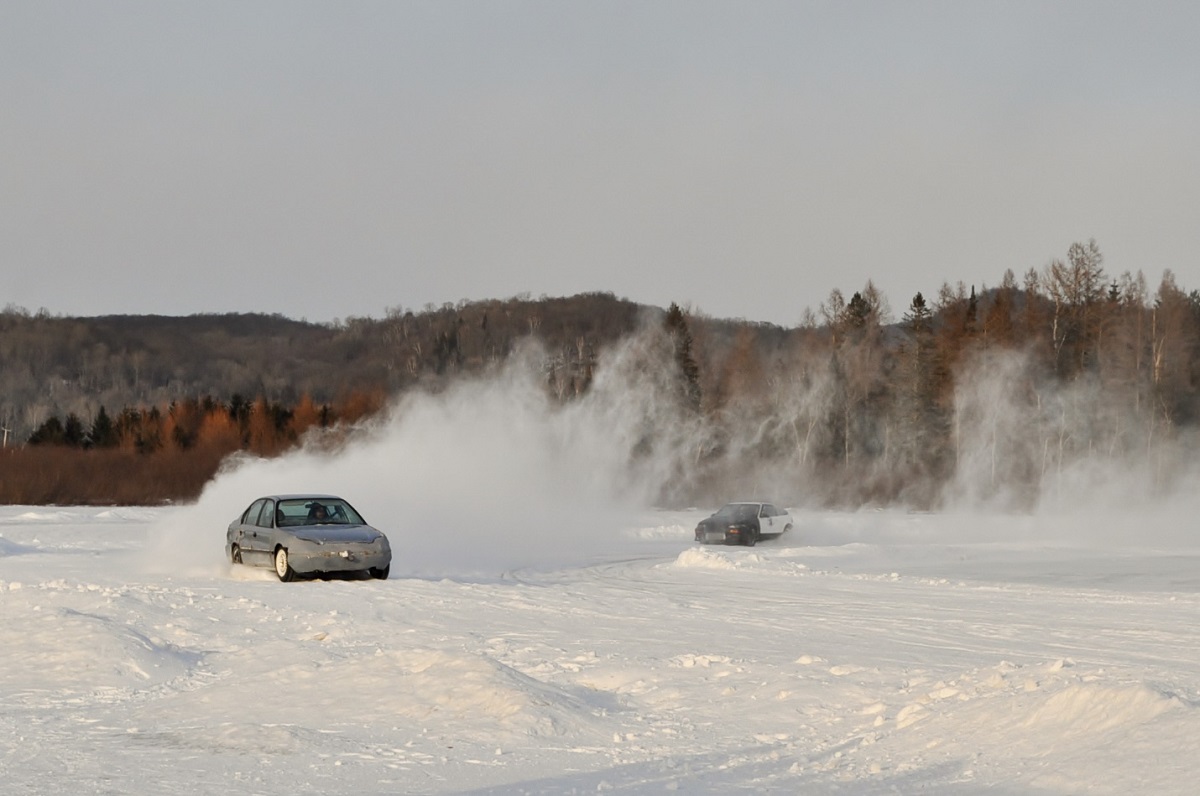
(235, 554)
(381, 573)
(751, 538)
(282, 568)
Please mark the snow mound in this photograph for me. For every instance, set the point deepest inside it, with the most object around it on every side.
(699, 558)
(478, 695)
(692, 661)
(739, 558)
(1087, 708)
(1031, 712)
(69, 650)
(42, 517)
(655, 532)
(467, 696)
(126, 515)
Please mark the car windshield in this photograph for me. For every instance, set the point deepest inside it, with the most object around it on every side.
(738, 511)
(316, 511)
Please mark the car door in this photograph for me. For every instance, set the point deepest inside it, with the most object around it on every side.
(242, 532)
(784, 518)
(766, 520)
(262, 532)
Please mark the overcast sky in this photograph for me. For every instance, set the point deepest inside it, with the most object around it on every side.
(326, 160)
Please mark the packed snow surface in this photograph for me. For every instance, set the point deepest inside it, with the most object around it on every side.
(862, 653)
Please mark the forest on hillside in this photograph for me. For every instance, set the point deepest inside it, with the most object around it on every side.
(990, 394)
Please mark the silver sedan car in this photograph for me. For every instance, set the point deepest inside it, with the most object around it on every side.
(307, 534)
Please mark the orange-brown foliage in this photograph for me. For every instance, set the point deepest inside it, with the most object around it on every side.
(306, 415)
(164, 454)
(262, 437)
(55, 475)
(219, 431)
(360, 404)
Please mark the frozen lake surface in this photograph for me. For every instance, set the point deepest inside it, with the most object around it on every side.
(864, 653)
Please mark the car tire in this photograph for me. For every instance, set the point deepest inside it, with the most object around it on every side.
(380, 573)
(751, 538)
(282, 568)
(235, 554)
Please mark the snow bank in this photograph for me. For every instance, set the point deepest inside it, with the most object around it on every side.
(66, 651)
(673, 532)
(700, 558)
(477, 696)
(740, 558)
(40, 516)
(1094, 708)
(466, 696)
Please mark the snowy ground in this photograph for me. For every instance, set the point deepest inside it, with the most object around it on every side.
(866, 654)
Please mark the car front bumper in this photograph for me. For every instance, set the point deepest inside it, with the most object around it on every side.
(737, 535)
(338, 557)
(734, 535)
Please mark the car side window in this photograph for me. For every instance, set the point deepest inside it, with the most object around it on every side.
(770, 510)
(251, 515)
(267, 515)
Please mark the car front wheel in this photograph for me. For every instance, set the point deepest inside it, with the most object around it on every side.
(380, 573)
(282, 568)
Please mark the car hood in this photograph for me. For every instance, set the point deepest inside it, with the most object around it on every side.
(334, 534)
(713, 522)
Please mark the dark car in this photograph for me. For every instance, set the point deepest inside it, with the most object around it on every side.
(307, 534)
(744, 523)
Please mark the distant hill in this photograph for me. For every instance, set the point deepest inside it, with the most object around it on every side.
(52, 365)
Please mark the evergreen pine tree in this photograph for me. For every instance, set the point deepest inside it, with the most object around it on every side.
(73, 433)
(103, 433)
(48, 433)
(681, 337)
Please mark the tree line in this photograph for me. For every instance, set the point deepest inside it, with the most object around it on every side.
(56, 366)
(154, 455)
(989, 392)
(260, 427)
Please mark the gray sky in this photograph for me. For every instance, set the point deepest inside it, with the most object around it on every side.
(324, 160)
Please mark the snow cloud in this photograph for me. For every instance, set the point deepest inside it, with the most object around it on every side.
(487, 476)
(491, 474)
(1096, 465)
